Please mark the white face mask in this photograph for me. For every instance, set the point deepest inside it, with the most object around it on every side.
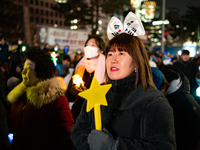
(166, 62)
(91, 52)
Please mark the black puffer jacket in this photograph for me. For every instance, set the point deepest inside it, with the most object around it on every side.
(4, 142)
(137, 119)
(190, 70)
(186, 115)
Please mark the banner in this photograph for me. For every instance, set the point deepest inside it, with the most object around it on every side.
(73, 39)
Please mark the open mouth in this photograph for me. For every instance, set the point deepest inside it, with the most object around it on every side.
(114, 69)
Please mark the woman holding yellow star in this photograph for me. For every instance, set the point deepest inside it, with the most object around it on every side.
(138, 116)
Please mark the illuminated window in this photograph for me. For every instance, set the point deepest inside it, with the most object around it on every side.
(61, 1)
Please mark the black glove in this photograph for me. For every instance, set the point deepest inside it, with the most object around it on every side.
(99, 140)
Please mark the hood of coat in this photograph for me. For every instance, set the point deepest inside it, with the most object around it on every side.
(181, 84)
(174, 86)
(44, 92)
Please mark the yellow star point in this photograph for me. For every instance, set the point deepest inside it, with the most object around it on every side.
(96, 94)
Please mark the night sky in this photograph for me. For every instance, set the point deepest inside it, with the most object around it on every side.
(181, 4)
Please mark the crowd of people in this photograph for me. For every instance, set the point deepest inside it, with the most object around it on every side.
(152, 103)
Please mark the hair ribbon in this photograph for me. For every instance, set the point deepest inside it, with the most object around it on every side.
(132, 25)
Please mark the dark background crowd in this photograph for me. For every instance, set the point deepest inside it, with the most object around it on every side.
(169, 69)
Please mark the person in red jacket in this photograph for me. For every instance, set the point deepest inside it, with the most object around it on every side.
(40, 117)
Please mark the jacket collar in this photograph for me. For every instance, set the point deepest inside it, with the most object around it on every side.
(185, 63)
(123, 85)
(44, 92)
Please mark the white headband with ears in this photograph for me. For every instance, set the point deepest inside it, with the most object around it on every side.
(132, 25)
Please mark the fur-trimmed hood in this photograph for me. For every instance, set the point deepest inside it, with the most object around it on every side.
(44, 92)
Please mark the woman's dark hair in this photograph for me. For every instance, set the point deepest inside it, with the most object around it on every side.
(44, 66)
(3, 38)
(66, 57)
(136, 49)
(99, 41)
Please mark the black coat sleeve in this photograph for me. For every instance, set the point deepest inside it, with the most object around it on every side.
(81, 129)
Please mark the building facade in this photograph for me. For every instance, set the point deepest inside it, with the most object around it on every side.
(42, 14)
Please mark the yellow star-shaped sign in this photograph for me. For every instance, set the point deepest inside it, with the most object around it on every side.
(96, 94)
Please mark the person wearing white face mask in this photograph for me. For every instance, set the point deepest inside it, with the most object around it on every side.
(91, 51)
(93, 61)
(92, 64)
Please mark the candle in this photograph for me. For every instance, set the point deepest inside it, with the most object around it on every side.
(96, 96)
(77, 80)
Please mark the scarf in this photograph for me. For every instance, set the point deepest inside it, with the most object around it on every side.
(94, 65)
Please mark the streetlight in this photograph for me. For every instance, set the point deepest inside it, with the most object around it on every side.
(133, 3)
(163, 27)
(150, 7)
(61, 1)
